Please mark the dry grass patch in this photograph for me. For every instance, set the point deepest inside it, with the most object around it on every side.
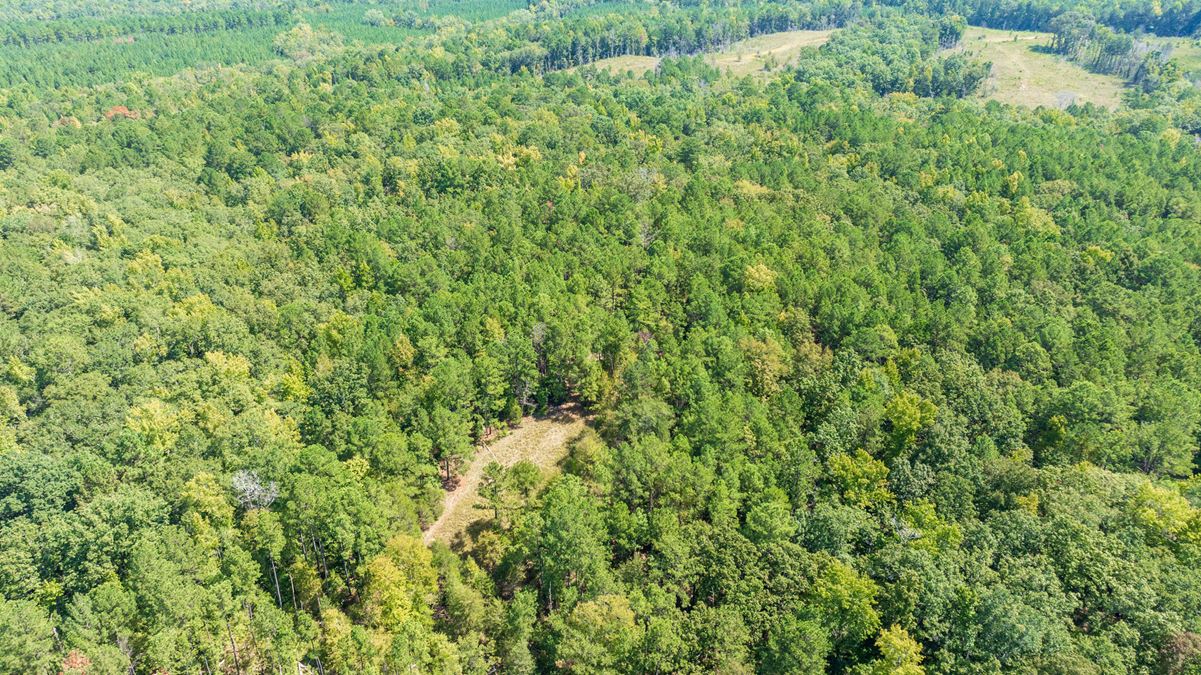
(541, 440)
(768, 52)
(1023, 75)
(618, 65)
(759, 54)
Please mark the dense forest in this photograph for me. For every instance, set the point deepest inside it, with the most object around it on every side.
(1173, 17)
(880, 377)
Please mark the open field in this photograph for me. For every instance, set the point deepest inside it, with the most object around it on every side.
(1024, 76)
(763, 52)
(621, 64)
(541, 440)
(758, 54)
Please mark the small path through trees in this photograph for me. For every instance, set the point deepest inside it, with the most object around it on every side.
(541, 440)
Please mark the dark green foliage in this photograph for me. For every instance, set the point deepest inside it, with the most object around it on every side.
(8, 153)
(1181, 17)
(893, 53)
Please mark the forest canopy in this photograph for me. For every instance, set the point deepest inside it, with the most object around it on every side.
(881, 377)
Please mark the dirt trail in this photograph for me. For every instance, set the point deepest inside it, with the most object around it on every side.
(542, 440)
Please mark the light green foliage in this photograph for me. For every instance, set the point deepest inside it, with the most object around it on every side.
(304, 43)
(597, 636)
(900, 654)
(907, 414)
(1166, 516)
(861, 480)
(845, 600)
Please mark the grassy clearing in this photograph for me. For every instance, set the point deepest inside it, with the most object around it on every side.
(1024, 76)
(767, 52)
(542, 440)
(759, 54)
(627, 64)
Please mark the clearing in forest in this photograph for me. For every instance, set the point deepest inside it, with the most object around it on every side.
(767, 52)
(541, 440)
(759, 54)
(621, 64)
(1024, 73)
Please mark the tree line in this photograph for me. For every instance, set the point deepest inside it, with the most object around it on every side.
(1080, 38)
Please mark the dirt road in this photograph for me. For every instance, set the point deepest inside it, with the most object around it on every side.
(542, 440)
